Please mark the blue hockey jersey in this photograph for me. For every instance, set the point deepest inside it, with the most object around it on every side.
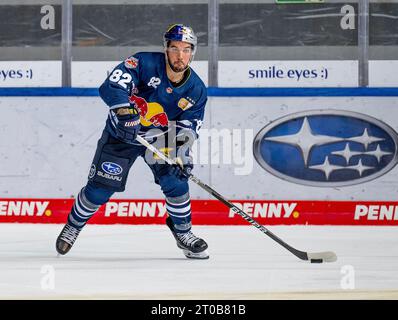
(141, 80)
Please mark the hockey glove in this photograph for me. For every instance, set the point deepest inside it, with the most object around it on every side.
(178, 169)
(184, 142)
(128, 125)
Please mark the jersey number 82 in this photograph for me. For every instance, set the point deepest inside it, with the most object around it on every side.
(122, 79)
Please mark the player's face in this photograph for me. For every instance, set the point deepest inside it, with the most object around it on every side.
(179, 54)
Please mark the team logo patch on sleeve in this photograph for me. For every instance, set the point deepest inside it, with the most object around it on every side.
(131, 63)
(184, 104)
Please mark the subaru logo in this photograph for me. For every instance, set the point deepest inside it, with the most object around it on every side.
(326, 148)
(111, 168)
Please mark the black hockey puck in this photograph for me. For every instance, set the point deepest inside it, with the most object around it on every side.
(316, 260)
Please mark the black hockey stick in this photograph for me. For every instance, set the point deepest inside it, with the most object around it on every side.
(315, 257)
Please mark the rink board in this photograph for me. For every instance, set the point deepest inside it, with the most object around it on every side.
(208, 212)
(268, 73)
(46, 161)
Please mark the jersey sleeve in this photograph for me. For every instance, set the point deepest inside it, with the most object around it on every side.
(192, 118)
(117, 87)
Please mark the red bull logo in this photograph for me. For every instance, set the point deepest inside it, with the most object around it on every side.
(131, 63)
(151, 113)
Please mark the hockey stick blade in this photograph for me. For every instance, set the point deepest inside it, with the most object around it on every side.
(319, 257)
(316, 257)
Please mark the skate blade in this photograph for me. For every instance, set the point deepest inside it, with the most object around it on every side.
(192, 255)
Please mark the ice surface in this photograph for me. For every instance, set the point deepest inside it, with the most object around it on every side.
(143, 262)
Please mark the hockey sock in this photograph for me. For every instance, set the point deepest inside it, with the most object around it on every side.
(82, 211)
(179, 210)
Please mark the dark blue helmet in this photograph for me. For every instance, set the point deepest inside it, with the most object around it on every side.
(179, 32)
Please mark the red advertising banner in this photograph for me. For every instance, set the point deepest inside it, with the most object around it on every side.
(209, 212)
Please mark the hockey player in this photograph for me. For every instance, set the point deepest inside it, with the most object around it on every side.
(158, 96)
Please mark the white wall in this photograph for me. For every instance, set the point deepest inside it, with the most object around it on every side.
(47, 144)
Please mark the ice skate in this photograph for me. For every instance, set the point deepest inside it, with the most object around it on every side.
(192, 246)
(66, 239)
